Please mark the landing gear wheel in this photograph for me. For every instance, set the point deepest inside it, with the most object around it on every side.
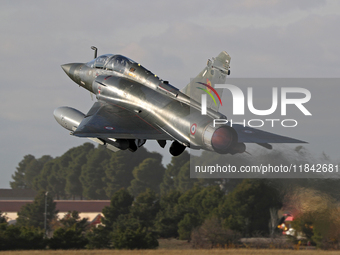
(132, 145)
(176, 148)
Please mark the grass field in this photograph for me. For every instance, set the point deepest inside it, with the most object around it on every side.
(172, 252)
(173, 247)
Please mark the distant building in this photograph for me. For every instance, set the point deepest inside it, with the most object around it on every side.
(11, 201)
(91, 209)
(86, 208)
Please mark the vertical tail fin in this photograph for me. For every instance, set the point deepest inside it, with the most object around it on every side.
(214, 73)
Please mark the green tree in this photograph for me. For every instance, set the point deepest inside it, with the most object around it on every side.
(121, 202)
(73, 219)
(27, 170)
(21, 238)
(181, 213)
(52, 177)
(148, 174)
(68, 238)
(34, 214)
(19, 176)
(79, 157)
(73, 185)
(93, 174)
(187, 224)
(126, 222)
(61, 176)
(57, 178)
(145, 208)
(119, 169)
(169, 215)
(128, 233)
(41, 181)
(71, 234)
(172, 171)
(182, 181)
(99, 238)
(205, 201)
(196, 205)
(247, 208)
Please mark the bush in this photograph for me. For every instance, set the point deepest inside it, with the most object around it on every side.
(247, 208)
(69, 238)
(212, 235)
(185, 226)
(134, 239)
(99, 238)
(71, 234)
(128, 233)
(21, 238)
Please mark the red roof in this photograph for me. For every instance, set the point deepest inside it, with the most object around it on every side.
(80, 206)
(96, 220)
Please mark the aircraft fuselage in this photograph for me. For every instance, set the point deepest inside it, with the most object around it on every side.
(135, 105)
(153, 100)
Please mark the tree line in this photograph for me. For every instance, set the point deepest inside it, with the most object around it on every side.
(150, 201)
(137, 222)
(86, 172)
(90, 173)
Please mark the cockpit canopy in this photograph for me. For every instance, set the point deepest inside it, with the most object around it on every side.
(111, 62)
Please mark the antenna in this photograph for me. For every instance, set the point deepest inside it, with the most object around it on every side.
(95, 51)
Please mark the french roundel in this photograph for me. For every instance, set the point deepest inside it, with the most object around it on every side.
(193, 128)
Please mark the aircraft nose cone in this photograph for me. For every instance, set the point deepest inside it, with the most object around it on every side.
(67, 68)
(73, 71)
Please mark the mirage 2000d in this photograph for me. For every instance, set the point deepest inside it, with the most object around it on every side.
(134, 105)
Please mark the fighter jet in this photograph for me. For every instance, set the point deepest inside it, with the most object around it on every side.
(134, 105)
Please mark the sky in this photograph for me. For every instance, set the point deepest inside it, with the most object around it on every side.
(173, 39)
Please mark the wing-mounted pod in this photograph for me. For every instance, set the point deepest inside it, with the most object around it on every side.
(222, 139)
(70, 119)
